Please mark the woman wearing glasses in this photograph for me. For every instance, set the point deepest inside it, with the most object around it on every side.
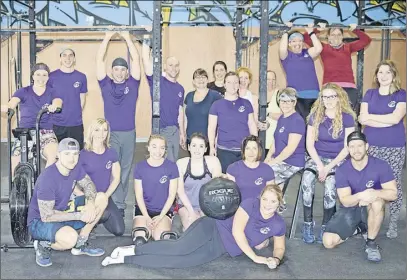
(330, 122)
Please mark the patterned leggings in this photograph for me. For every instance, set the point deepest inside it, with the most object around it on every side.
(395, 158)
(308, 182)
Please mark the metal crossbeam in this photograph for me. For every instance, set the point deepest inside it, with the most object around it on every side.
(377, 27)
(138, 30)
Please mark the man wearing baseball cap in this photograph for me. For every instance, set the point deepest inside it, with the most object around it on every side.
(120, 95)
(72, 86)
(364, 184)
(53, 214)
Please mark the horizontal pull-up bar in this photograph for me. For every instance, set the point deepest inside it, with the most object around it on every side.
(244, 6)
(378, 27)
(79, 29)
(198, 22)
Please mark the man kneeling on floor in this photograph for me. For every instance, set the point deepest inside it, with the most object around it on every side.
(364, 184)
(53, 214)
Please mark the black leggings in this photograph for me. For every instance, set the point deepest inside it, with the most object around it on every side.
(227, 157)
(303, 107)
(199, 244)
(112, 219)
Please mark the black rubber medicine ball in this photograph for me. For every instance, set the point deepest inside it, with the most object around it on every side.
(219, 198)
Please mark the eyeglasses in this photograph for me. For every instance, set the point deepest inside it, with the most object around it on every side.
(287, 102)
(329, 97)
(201, 77)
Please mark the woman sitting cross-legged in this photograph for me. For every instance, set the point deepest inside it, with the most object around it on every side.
(207, 239)
(194, 172)
(101, 163)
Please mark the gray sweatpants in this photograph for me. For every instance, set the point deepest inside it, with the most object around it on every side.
(171, 133)
(124, 144)
(199, 244)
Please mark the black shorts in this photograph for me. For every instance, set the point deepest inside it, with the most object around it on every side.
(346, 220)
(75, 132)
(152, 214)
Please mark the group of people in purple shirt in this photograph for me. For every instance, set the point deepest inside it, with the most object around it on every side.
(87, 176)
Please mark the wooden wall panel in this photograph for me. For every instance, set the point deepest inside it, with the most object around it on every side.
(195, 47)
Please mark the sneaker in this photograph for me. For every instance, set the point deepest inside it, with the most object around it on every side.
(321, 233)
(360, 232)
(88, 249)
(373, 252)
(42, 253)
(392, 231)
(308, 232)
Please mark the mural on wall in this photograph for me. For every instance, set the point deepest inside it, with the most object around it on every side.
(103, 12)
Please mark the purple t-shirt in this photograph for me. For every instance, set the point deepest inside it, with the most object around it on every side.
(327, 146)
(31, 104)
(120, 102)
(251, 181)
(292, 124)
(383, 105)
(51, 185)
(171, 98)
(257, 229)
(70, 86)
(99, 167)
(156, 182)
(233, 119)
(375, 173)
(300, 72)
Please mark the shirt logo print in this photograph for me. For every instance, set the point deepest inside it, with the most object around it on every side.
(109, 164)
(306, 55)
(126, 90)
(180, 94)
(369, 184)
(392, 104)
(164, 179)
(76, 84)
(282, 129)
(241, 109)
(259, 181)
(265, 230)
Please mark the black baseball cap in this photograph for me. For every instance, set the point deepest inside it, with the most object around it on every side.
(120, 62)
(356, 135)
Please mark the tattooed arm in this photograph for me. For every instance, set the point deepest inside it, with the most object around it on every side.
(49, 214)
(88, 188)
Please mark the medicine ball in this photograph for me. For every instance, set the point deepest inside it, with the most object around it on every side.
(219, 198)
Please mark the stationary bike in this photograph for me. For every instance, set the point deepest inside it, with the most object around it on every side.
(25, 176)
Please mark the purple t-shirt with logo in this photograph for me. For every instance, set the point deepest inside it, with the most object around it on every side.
(233, 119)
(300, 72)
(120, 102)
(383, 105)
(291, 124)
(171, 98)
(70, 86)
(31, 104)
(327, 146)
(251, 181)
(375, 173)
(155, 182)
(51, 185)
(99, 167)
(257, 229)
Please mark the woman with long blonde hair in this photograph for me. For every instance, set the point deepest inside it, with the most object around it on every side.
(330, 122)
(382, 111)
(100, 162)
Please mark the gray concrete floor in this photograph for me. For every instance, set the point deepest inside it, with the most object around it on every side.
(302, 261)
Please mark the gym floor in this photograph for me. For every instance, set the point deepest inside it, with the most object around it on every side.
(302, 260)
